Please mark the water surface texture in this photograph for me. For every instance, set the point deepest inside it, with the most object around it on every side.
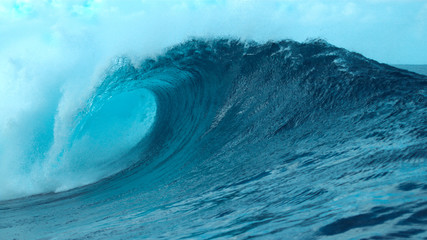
(219, 139)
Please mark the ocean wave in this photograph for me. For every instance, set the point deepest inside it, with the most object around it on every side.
(220, 138)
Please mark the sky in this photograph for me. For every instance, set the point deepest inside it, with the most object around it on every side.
(390, 31)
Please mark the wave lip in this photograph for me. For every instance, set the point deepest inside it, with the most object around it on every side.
(250, 140)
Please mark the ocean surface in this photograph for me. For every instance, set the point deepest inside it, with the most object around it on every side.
(228, 139)
(417, 68)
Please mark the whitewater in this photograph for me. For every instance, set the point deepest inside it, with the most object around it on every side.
(206, 137)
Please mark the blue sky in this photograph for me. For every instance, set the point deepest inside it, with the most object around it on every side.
(390, 31)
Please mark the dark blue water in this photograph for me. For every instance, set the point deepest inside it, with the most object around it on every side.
(282, 140)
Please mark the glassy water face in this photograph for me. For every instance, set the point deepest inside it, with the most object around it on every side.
(220, 138)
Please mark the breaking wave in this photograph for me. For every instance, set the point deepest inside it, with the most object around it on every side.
(220, 138)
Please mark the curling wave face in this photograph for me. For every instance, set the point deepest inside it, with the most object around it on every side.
(222, 138)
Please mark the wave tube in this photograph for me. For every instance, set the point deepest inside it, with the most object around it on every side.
(81, 147)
